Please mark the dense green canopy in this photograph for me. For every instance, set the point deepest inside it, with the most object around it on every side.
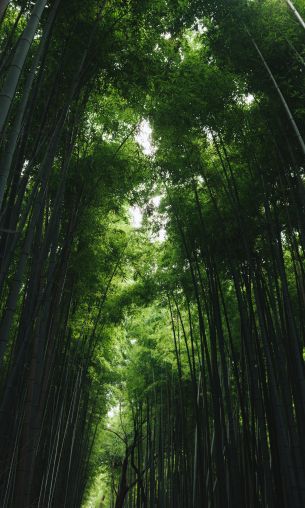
(152, 253)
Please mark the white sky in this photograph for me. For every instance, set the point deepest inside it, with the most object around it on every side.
(249, 98)
(113, 411)
(144, 140)
(136, 216)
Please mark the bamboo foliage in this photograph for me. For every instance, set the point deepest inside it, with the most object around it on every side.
(231, 404)
(54, 166)
(200, 337)
(13, 74)
(296, 13)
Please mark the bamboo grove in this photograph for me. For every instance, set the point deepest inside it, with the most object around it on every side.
(140, 370)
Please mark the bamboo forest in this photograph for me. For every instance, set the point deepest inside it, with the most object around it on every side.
(152, 253)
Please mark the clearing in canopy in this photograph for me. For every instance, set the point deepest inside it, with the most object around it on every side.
(152, 253)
